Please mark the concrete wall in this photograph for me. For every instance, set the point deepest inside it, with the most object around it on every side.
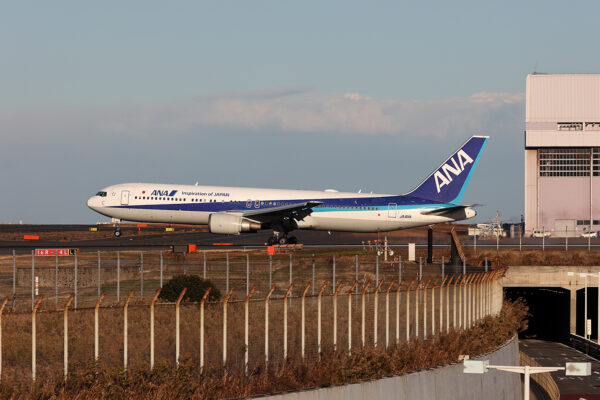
(443, 383)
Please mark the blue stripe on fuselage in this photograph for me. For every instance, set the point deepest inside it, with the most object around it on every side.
(336, 204)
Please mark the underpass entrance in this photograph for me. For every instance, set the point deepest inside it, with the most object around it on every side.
(549, 312)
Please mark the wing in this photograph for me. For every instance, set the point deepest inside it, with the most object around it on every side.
(296, 211)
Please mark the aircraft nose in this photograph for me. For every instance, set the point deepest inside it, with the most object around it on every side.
(93, 202)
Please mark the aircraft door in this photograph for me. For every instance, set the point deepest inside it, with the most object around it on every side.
(392, 207)
(124, 197)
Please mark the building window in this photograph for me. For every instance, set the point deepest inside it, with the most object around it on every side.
(569, 126)
(568, 161)
(592, 126)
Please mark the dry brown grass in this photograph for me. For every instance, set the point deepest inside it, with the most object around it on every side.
(186, 381)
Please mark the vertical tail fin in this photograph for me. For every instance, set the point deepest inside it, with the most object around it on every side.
(448, 182)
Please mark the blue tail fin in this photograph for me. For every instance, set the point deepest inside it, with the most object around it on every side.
(448, 182)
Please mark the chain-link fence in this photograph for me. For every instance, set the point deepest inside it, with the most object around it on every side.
(241, 333)
(23, 277)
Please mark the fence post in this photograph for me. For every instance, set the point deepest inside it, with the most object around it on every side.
(454, 301)
(55, 281)
(467, 304)
(75, 278)
(356, 269)
(408, 309)
(246, 328)
(335, 294)
(177, 307)
(32, 279)
(1, 311)
(420, 268)
(444, 281)
(375, 312)
(313, 278)
(319, 318)
(98, 277)
(460, 300)
(308, 285)
(433, 306)
(291, 280)
(350, 316)
(14, 282)
(363, 312)
(398, 311)
(141, 274)
(247, 274)
(270, 270)
(425, 307)
(267, 298)
(96, 344)
(225, 301)
(443, 264)
(125, 307)
(377, 268)
(417, 301)
(33, 336)
(448, 302)
(227, 273)
(399, 268)
(202, 328)
(152, 327)
(387, 313)
(118, 276)
(161, 269)
(285, 307)
(66, 337)
(333, 277)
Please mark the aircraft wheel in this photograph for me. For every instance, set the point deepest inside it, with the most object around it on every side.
(283, 240)
(292, 240)
(117, 233)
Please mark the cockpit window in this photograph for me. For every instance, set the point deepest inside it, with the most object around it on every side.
(101, 194)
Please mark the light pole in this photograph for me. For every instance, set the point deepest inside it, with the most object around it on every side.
(570, 368)
(585, 276)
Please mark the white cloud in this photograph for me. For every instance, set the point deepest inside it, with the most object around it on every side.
(281, 111)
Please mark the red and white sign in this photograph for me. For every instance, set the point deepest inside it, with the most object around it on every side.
(52, 252)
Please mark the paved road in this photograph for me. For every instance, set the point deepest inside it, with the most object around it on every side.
(551, 354)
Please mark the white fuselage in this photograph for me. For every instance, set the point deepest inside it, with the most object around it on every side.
(338, 211)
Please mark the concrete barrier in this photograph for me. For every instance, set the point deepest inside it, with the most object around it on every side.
(441, 383)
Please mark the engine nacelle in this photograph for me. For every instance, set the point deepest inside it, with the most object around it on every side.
(231, 224)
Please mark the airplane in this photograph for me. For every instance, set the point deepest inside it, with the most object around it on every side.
(234, 210)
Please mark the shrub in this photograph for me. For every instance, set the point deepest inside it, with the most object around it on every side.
(196, 287)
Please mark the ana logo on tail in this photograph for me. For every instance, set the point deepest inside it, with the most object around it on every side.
(442, 176)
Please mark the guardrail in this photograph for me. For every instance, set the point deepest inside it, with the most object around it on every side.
(585, 346)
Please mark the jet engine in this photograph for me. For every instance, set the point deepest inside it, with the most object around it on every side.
(231, 224)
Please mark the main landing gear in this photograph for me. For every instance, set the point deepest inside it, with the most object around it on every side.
(278, 238)
(117, 228)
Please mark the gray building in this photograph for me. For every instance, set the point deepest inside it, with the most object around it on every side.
(562, 153)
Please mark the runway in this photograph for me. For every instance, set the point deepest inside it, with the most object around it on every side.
(155, 236)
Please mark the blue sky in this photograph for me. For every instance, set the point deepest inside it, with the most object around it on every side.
(315, 95)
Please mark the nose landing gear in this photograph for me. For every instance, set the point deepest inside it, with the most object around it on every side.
(117, 223)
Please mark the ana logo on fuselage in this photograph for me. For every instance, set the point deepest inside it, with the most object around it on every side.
(442, 176)
(163, 193)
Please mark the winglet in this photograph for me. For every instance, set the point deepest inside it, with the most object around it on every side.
(447, 184)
